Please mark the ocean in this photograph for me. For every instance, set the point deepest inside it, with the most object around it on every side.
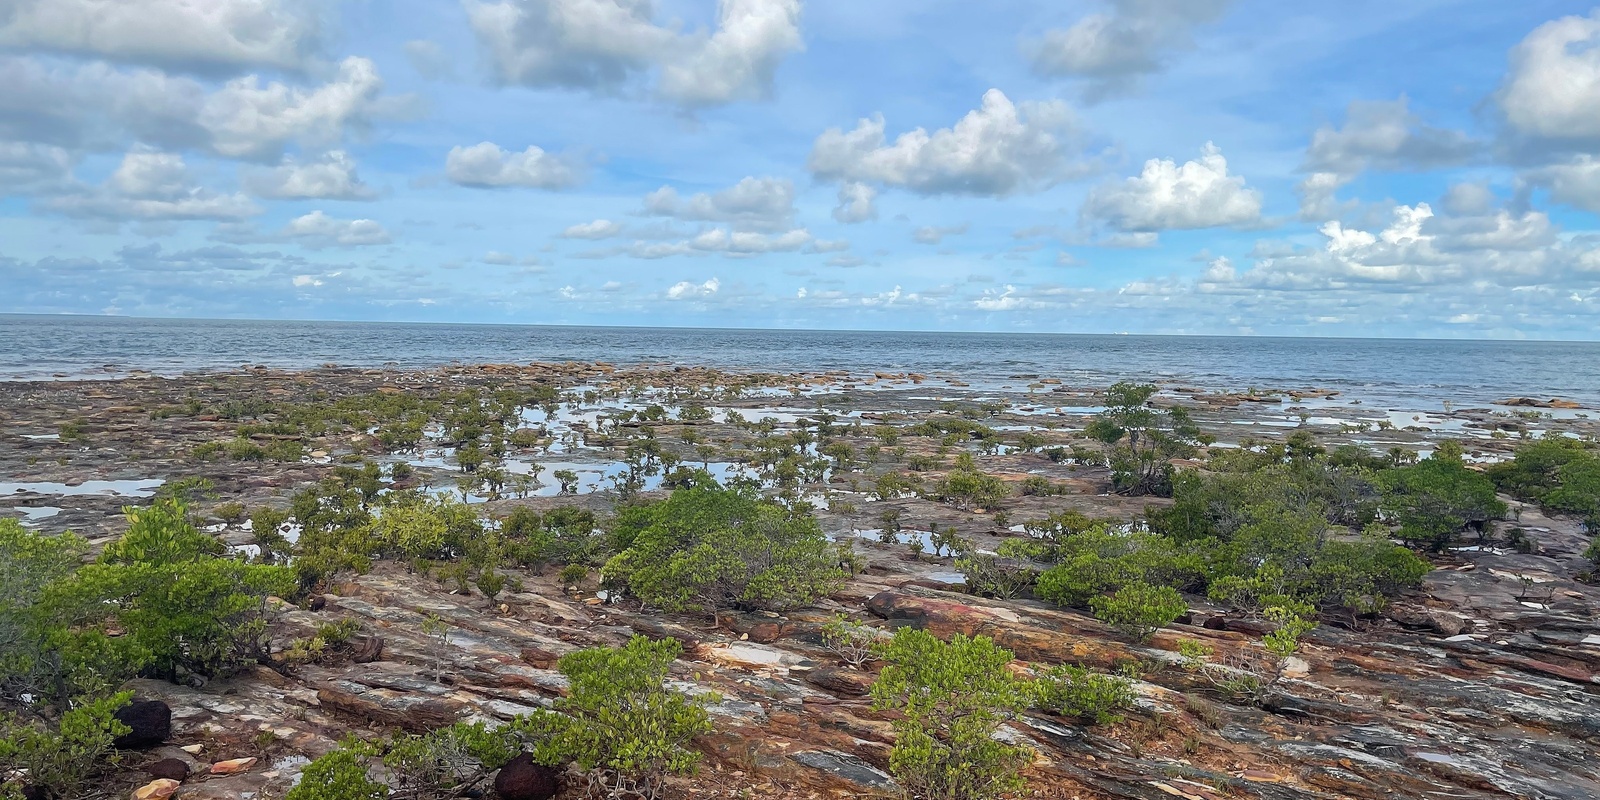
(1399, 373)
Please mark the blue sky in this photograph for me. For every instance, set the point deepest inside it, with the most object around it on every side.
(1400, 168)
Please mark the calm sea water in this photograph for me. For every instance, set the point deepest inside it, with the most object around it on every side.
(1399, 372)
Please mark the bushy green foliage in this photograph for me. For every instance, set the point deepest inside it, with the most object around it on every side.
(29, 564)
(339, 775)
(994, 576)
(566, 535)
(1098, 561)
(415, 526)
(1434, 499)
(61, 758)
(619, 722)
(967, 487)
(850, 640)
(952, 698)
(1143, 439)
(710, 548)
(1077, 692)
(1558, 472)
(1139, 609)
(181, 606)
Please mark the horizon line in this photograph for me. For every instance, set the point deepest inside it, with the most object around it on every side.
(86, 315)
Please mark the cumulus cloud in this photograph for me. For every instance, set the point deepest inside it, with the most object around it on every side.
(151, 185)
(598, 229)
(934, 234)
(27, 166)
(1419, 248)
(1114, 48)
(488, 165)
(765, 204)
(1552, 89)
(317, 229)
(997, 149)
(330, 177)
(210, 35)
(685, 290)
(721, 240)
(1167, 196)
(1575, 182)
(856, 203)
(247, 119)
(604, 45)
(98, 106)
(1386, 135)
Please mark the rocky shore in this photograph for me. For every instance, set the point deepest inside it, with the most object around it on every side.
(1481, 684)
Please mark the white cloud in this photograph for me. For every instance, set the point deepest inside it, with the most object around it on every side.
(487, 165)
(1007, 300)
(169, 33)
(1418, 249)
(26, 166)
(330, 177)
(998, 149)
(1166, 196)
(1385, 135)
(1113, 49)
(1220, 270)
(856, 203)
(738, 60)
(1575, 181)
(720, 240)
(1318, 195)
(684, 290)
(934, 234)
(98, 106)
(598, 229)
(151, 185)
(320, 230)
(499, 259)
(249, 120)
(1553, 87)
(765, 204)
(604, 45)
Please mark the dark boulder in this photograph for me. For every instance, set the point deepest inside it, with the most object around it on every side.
(149, 724)
(170, 768)
(523, 779)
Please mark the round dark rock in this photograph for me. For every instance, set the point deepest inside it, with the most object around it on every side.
(170, 768)
(149, 723)
(523, 779)
(318, 603)
(35, 793)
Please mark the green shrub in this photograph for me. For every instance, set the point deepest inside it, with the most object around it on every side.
(851, 641)
(1091, 697)
(62, 760)
(707, 549)
(1436, 498)
(992, 576)
(339, 775)
(619, 722)
(952, 698)
(1139, 609)
(566, 535)
(969, 488)
(181, 607)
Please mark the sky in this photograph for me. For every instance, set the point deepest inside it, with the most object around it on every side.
(1404, 168)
